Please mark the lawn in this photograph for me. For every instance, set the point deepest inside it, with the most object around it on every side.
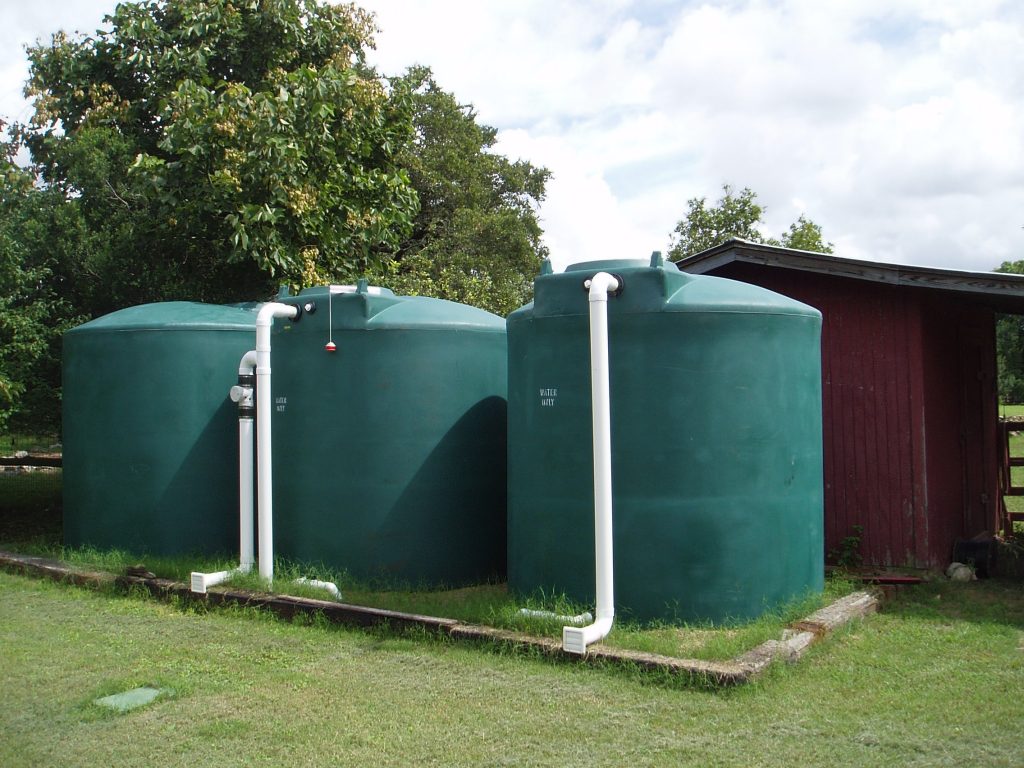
(934, 680)
(1010, 411)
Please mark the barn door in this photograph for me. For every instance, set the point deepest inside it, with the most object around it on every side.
(978, 429)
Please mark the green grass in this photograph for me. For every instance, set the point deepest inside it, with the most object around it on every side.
(488, 604)
(30, 523)
(934, 680)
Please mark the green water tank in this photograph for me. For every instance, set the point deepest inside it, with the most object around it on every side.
(389, 452)
(716, 444)
(150, 436)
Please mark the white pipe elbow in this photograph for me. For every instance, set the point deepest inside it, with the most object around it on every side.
(328, 586)
(600, 285)
(264, 322)
(248, 363)
(270, 310)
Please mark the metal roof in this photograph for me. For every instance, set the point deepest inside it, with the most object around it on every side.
(1003, 292)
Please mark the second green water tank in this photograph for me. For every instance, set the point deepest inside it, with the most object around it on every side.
(389, 452)
(716, 444)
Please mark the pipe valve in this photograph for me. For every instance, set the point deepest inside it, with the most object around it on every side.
(244, 395)
(241, 395)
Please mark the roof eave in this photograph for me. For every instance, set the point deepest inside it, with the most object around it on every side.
(990, 284)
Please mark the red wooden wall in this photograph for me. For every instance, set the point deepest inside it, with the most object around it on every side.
(909, 413)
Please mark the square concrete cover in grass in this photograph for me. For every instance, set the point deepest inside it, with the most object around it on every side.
(128, 700)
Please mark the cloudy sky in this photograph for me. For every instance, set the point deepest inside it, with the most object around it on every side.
(897, 125)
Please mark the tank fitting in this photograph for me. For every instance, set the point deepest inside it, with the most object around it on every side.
(243, 393)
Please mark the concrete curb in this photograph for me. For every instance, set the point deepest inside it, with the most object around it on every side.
(742, 669)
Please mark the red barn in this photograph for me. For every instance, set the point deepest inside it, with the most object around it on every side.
(910, 411)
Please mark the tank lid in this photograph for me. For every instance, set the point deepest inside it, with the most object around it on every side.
(174, 315)
(426, 312)
(365, 306)
(361, 288)
(606, 264)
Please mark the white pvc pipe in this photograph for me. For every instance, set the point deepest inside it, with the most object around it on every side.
(259, 359)
(579, 618)
(576, 639)
(246, 546)
(264, 454)
(330, 586)
(264, 458)
(246, 534)
(200, 581)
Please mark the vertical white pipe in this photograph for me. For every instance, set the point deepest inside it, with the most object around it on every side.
(576, 639)
(241, 394)
(246, 543)
(246, 529)
(264, 412)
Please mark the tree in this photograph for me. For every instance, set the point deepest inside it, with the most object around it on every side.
(476, 238)
(1010, 347)
(32, 315)
(805, 235)
(215, 146)
(736, 215)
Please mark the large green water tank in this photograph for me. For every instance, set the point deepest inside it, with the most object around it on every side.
(716, 444)
(389, 453)
(150, 436)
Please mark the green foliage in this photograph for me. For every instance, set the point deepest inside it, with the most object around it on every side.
(805, 235)
(217, 146)
(476, 238)
(1010, 347)
(704, 227)
(848, 554)
(206, 149)
(737, 216)
(32, 313)
(211, 149)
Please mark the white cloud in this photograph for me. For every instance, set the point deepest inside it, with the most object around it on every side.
(895, 124)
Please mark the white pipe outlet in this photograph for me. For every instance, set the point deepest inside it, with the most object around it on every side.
(576, 639)
(330, 586)
(264, 454)
(201, 581)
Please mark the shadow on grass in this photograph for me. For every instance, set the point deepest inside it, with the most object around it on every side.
(31, 511)
(989, 601)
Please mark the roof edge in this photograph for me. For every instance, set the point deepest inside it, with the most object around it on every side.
(963, 281)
